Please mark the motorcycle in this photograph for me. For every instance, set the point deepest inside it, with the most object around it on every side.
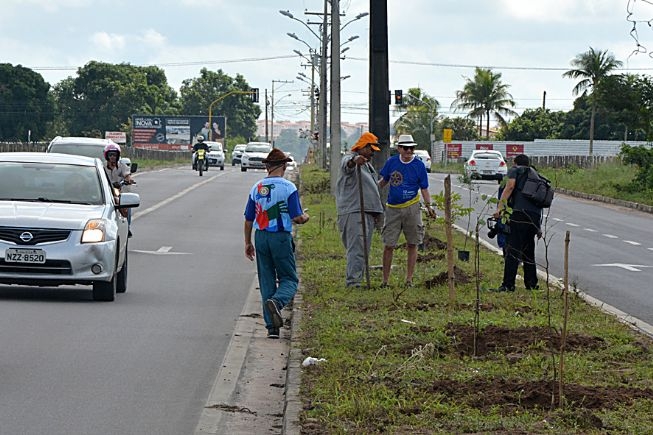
(201, 162)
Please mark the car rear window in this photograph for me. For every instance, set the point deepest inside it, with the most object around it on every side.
(488, 156)
(78, 149)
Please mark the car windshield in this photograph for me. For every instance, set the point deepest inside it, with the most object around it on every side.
(44, 182)
(258, 148)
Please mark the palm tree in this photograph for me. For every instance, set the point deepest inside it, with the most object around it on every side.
(421, 113)
(484, 96)
(592, 67)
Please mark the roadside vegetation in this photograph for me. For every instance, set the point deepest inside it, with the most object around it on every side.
(412, 360)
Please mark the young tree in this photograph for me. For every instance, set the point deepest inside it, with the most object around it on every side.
(485, 96)
(592, 67)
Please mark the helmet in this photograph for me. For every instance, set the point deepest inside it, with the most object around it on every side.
(112, 147)
(200, 138)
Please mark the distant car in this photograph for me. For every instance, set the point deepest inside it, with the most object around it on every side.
(85, 146)
(486, 165)
(216, 154)
(237, 152)
(291, 165)
(424, 156)
(60, 223)
(252, 157)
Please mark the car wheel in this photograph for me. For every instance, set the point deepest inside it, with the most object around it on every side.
(222, 168)
(121, 285)
(243, 169)
(105, 291)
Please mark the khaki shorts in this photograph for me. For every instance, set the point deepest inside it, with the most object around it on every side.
(407, 220)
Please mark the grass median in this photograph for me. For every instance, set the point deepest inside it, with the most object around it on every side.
(410, 360)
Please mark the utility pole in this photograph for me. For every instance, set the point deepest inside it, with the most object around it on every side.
(272, 109)
(267, 103)
(334, 167)
(323, 87)
(379, 120)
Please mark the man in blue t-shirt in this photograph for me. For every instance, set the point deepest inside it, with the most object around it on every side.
(407, 177)
(272, 208)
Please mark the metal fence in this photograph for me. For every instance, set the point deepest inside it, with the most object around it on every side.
(132, 153)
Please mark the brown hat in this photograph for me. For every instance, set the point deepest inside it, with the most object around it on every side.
(366, 139)
(276, 156)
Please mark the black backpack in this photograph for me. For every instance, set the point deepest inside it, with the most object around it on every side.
(537, 188)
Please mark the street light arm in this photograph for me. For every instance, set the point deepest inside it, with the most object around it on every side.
(294, 36)
(356, 18)
(292, 17)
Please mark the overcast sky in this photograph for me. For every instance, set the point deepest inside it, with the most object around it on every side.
(433, 44)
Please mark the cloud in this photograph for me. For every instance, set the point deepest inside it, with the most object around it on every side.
(153, 38)
(108, 41)
(562, 11)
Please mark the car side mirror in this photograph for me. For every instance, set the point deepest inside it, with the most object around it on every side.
(134, 167)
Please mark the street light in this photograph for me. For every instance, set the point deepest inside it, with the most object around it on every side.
(292, 17)
(356, 18)
(293, 36)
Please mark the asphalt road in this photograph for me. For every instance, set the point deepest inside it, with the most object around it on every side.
(610, 250)
(144, 364)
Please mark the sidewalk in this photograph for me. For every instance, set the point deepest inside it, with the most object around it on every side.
(256, 390)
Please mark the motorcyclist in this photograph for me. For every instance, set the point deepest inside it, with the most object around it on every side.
(118, 174)
(200, 145)
(116, 171)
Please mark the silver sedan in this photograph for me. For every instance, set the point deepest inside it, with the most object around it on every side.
(61, 223)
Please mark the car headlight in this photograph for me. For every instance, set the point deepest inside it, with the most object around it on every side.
(94, 231)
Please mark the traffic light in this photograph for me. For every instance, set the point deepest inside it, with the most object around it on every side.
(317, 93)
(255, 95)
(399, 98)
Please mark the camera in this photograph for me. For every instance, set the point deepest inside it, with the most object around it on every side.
(496, 226)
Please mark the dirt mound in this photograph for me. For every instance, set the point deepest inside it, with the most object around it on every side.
(460, 277)
(515, 342)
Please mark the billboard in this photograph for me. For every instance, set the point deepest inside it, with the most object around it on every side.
(513, 149)
(454, 150)
(178, 133)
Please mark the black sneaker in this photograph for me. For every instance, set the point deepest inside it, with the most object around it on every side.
(273, 333)
(273, 308)
(502, 288)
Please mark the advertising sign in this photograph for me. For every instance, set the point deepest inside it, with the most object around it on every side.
(454, 150)
(513, 149)
(484, 146)
(175, 132)
(119, 137)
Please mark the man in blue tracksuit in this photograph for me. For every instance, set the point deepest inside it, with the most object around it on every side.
(272, 207)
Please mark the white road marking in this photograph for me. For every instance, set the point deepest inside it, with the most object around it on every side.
(630, 242)
(628, 267)
(610, 236)
(591, 230)
(572, 224)
(558, 219)
(164, 249)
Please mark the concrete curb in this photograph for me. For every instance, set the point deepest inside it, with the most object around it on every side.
(607, 200)
(293, 405)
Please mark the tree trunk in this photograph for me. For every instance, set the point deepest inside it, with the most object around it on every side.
(487, 124)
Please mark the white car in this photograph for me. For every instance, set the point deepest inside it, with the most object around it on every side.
(237, 153)
(216, 154)
(425, 157)
(254, 154)
(61, 223)
(486, 165)
(85, 146)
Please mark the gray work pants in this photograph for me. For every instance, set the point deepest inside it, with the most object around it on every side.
(351, 233)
